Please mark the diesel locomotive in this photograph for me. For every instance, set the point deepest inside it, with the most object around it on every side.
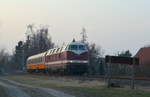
(68, 59)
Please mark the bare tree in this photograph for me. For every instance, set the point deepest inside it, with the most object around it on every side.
(84, 35)
(126, 53)
(96, 60)
(3, 60)
(37, 41)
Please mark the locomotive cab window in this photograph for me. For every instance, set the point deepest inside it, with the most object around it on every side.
(73, 47)
(81, 47)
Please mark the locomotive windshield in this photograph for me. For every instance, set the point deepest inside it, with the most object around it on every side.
(81, 47)
(73, 47)
(77, 47)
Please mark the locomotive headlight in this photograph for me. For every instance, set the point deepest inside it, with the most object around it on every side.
(71, 61)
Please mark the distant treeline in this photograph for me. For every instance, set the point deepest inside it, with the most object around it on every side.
(38, 40)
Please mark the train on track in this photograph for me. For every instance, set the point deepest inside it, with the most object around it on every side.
(68, 59)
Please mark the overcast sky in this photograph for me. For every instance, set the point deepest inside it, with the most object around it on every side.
(115, 25)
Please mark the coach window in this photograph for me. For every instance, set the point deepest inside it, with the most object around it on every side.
(36, 60)
(33, 61)
(30, 61)
(40, 60)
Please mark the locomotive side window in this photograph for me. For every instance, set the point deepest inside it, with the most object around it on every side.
(61, 49)
(58, 50)
(73, 47)
(81, 47)
(53, 51)
(50, 51)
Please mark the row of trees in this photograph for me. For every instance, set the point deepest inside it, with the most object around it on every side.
(4, 58)
(96, 60)
(38, 40)
(97, 63)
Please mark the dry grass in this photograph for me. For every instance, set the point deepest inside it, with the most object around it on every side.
(3, 92)
(78, 88)
(56, 81)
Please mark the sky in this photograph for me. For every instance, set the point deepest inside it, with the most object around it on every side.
(115, 25)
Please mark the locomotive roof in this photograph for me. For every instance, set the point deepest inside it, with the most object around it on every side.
(63, 48)
(76, 43)
(37, 56)
(55, 50)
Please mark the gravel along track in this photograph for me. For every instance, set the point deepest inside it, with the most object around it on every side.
(50, 91)
(13, 91)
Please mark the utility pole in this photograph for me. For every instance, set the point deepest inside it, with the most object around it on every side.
(133, 74)
(84, 36)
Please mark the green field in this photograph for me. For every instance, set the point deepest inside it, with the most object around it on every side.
(77, 88)
(105, 92)
(3, 92)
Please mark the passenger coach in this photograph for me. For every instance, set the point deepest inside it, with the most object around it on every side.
(68, 59)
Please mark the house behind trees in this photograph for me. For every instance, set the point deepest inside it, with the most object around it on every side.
(144, 55)
(144, 59)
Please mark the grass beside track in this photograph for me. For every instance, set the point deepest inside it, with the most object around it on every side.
(77, 88)
(105, 92)
(3, 92)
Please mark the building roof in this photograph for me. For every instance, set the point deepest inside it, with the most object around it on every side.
(144, 55)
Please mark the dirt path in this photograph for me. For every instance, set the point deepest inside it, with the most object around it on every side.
(50, 91)
(13, 91)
